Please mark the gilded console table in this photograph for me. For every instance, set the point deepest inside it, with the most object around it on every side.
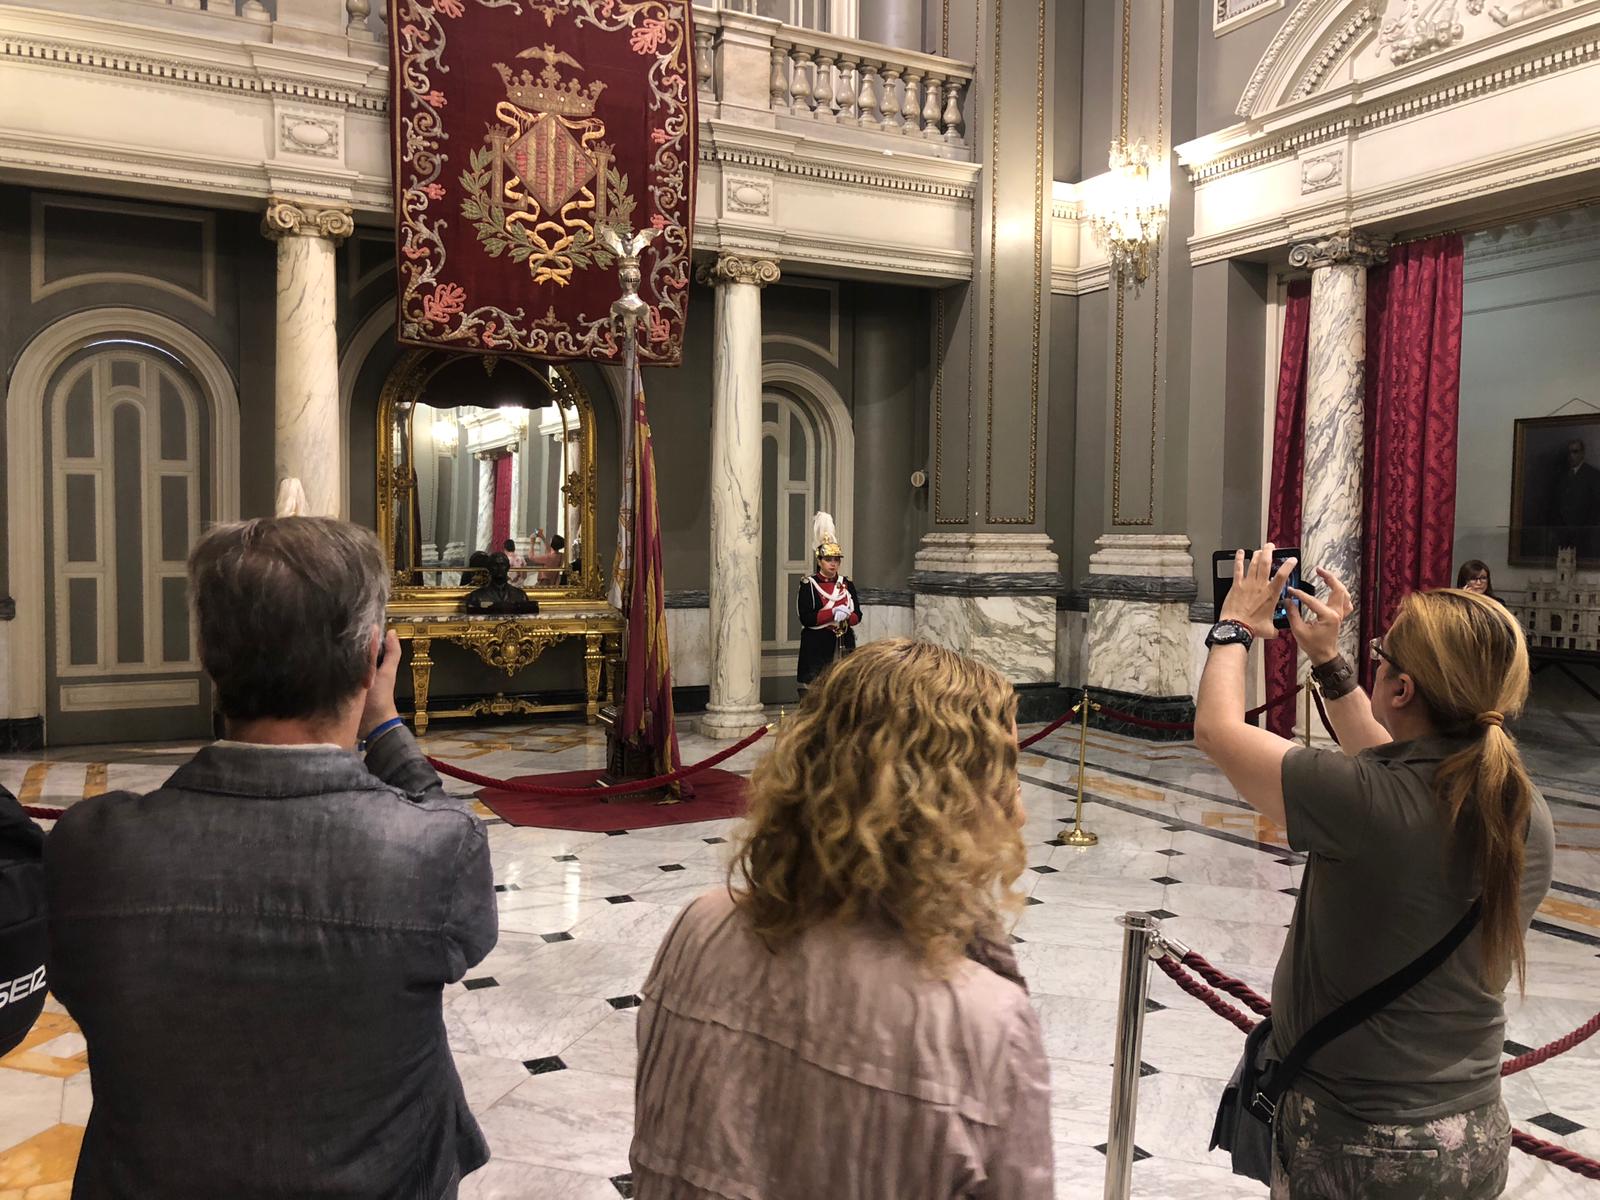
(511, 643)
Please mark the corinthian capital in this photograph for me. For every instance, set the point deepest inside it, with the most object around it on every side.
(1347, 247)
(730, 268)
(300, 218)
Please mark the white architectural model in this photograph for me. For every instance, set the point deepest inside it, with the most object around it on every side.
(1562, 613)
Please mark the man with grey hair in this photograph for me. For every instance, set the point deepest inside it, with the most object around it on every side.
(256, 952)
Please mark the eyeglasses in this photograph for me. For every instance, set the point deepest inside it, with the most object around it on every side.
(1378, 654)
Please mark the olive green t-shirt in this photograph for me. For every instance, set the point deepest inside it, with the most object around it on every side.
(1384, 882)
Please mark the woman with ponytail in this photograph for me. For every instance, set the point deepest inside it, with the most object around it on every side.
(1423, 824)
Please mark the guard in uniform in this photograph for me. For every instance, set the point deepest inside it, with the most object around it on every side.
(827, 605)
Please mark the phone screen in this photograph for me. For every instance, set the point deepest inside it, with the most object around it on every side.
(1222, 581)
(1280, 615)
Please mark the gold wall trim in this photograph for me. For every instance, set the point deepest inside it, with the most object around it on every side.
(1117, 517)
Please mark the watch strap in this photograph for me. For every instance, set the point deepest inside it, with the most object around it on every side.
(1245, 636)
(1335, 678)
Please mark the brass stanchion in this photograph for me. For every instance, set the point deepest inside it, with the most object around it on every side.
(1078, 835)
(1308, 713)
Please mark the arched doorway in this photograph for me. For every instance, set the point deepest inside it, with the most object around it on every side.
(807, 463)
(122, 445)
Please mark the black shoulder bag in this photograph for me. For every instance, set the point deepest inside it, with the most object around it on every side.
(1250, 1101)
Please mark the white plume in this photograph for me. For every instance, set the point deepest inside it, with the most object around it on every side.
(822, 529)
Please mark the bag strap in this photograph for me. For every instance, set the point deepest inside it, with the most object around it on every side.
(1353, 1012)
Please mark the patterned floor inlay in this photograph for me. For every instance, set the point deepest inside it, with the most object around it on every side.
(545, 1027)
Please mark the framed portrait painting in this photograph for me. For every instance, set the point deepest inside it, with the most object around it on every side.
(1555, 490)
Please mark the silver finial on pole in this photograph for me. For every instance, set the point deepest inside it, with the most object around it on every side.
(629, 308)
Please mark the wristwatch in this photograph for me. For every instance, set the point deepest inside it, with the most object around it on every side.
(1230, 633)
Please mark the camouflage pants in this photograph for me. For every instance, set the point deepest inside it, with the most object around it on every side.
(1322, 1154)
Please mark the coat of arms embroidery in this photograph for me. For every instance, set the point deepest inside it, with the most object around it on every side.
(546, 177)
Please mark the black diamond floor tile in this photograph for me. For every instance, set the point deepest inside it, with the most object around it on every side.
(713, 841)
(616, 833)
(619, 899)
(1556, 1124)
(1139, 1153)
(556, 937)
(473, 985)
(543, 1066)
(1151, 1006)
(624, 1185)
(1146, 1070)
(1162, 914)
(508, 887)
(621, 1002)
(1045, 869)
(1034, 900)
(672, 867)
(566, 858)
(1165, 879)
(1171, 853)
(1015, 940)
(1516, 1048)
(1290, 891)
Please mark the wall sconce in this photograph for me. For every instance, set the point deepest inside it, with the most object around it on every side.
(515, 416)
(446, 435)
(1127, 209)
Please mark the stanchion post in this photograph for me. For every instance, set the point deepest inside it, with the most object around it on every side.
(1140, 932)
(1308, 713)
(1078, 835)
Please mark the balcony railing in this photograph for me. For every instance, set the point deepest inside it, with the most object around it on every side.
(820, 79)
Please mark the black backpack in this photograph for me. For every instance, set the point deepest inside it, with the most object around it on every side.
(23, 936)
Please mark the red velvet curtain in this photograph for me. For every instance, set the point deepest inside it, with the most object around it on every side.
(1413, 383)
(1288, 474)
(501, 524)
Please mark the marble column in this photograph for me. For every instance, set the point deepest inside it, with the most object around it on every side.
(734, 709)
(1335, 384)
(309, 443)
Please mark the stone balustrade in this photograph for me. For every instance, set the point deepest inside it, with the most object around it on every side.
(918, 100)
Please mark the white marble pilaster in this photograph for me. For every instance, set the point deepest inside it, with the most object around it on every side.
(309, 443)
(1335, 391)
(991, 596)
(485, 522)
(734, 708)
(1139, 588)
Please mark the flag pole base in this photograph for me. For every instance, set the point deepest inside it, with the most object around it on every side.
(1077, 837)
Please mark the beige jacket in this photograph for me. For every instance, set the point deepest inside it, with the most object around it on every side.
(838, 1069)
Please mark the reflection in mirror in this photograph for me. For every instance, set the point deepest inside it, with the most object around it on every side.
(487, 480)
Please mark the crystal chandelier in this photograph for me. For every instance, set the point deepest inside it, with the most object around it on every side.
(1127, 209)
(446, 435)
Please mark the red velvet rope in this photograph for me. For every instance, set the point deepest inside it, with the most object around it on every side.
(1526, 1142)
(1204, 994)
(1237, 988)
(1552, 1153)
(1560, 1046)
(42, 814)
(616, 789)
(1050, 728)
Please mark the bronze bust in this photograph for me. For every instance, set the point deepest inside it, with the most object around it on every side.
(499, 595)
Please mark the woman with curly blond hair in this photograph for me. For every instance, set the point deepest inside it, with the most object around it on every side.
(847, 1021)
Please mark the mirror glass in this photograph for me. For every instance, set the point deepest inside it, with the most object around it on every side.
(485, 477)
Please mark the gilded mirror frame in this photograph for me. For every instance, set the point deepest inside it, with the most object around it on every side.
(406, 385)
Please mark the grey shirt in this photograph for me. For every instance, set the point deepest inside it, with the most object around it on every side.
(1382, 885)
(256, 954)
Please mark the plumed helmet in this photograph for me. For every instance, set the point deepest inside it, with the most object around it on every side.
(825, 537)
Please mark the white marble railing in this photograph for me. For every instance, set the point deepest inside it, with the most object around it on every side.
(250, 10)
(916, 99)
(843, 82)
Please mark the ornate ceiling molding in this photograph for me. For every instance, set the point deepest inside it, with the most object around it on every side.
(1362, 116)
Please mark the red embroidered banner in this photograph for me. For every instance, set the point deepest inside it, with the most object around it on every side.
(521, 129)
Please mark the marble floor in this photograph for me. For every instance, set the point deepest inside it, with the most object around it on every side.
(543, 1030)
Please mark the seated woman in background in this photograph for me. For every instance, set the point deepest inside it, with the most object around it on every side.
(1474, 577)
(1424, 817)
(849, 1021)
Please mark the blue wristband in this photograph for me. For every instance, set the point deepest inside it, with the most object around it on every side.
(391, 723)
